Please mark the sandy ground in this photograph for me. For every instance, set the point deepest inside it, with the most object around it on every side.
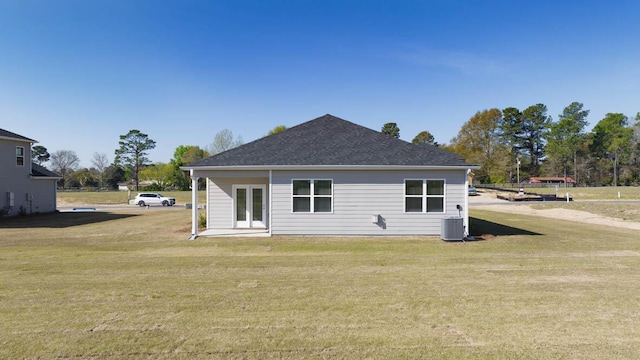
(488, 201)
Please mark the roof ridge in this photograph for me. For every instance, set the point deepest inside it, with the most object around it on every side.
(330, 140)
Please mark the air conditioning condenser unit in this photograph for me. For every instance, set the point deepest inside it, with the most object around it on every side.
(452, 229)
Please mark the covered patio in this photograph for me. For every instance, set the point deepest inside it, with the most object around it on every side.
(237, 203)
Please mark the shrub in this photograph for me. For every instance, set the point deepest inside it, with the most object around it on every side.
(203, 221)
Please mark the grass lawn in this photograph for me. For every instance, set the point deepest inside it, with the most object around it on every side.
(118, 197)
(128, 285)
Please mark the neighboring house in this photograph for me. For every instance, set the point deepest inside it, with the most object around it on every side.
(125, 186)
(25, 187)
(329, 176)
(131, 185)
(552, 180)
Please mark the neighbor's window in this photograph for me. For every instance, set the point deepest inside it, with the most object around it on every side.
(312, 196)
(424, 196)
(19, 155)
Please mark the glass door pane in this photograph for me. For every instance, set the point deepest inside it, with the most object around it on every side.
(257, 204)
(241, 204)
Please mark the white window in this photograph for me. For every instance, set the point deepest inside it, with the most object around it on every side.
(19, 155)
(423, 195)
(312, 196)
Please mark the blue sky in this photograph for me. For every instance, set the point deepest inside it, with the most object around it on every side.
(76, 74)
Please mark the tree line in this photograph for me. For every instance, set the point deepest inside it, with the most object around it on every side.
(512, 145)
(510, 142)
(131, 163)
(509, 145)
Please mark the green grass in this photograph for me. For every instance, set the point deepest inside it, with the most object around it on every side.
(128, 285)
(118, 197)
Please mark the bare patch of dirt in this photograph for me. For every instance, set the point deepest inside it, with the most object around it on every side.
(561, 214)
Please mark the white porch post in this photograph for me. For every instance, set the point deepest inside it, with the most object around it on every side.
(194, 206)
(270, 198)
(466, 202)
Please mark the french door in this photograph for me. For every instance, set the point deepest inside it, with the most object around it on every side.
(249, 206)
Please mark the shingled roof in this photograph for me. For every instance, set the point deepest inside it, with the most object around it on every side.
(331, 141)
(8, 134)
(42, 172)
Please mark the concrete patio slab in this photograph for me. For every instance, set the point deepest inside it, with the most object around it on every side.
(234, 232)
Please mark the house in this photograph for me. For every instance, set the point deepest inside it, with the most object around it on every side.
(126, 186)
(130, 185)
(329, 176)
(552, 180)
(25, 187)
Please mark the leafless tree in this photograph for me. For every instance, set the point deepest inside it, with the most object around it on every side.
(224, 141)
(100, 162)
(64, 162)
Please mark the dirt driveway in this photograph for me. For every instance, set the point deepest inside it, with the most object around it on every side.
(488, 201)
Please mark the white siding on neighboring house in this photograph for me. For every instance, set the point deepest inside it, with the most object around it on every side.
(357, 195)
(31, 195)
(41, 196)
(12, 174)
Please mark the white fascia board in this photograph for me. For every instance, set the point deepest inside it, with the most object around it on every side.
(30, 141)
(329, 167)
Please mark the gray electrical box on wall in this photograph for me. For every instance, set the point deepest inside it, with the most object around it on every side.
(10, 201)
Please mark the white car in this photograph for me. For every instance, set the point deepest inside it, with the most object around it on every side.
(146, 199)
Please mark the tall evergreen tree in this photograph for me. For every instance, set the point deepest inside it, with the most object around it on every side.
(535, 126)
(611, 138)
(40, 154)
(133, 151)
(424, 137)
(566, 136)
(391, 129)
(511, 130)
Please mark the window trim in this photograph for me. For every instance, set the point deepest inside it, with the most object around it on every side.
(424, 196)
(311, 196)
(20, 156)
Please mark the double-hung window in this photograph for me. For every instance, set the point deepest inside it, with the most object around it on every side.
(312, 196)
(424, 195)
(19, 155)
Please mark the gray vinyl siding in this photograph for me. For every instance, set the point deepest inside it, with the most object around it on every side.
(220, 197)
(357, 195)
(33, 195)
(40, 197)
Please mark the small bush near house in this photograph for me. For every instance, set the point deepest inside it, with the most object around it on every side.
(203, 221)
